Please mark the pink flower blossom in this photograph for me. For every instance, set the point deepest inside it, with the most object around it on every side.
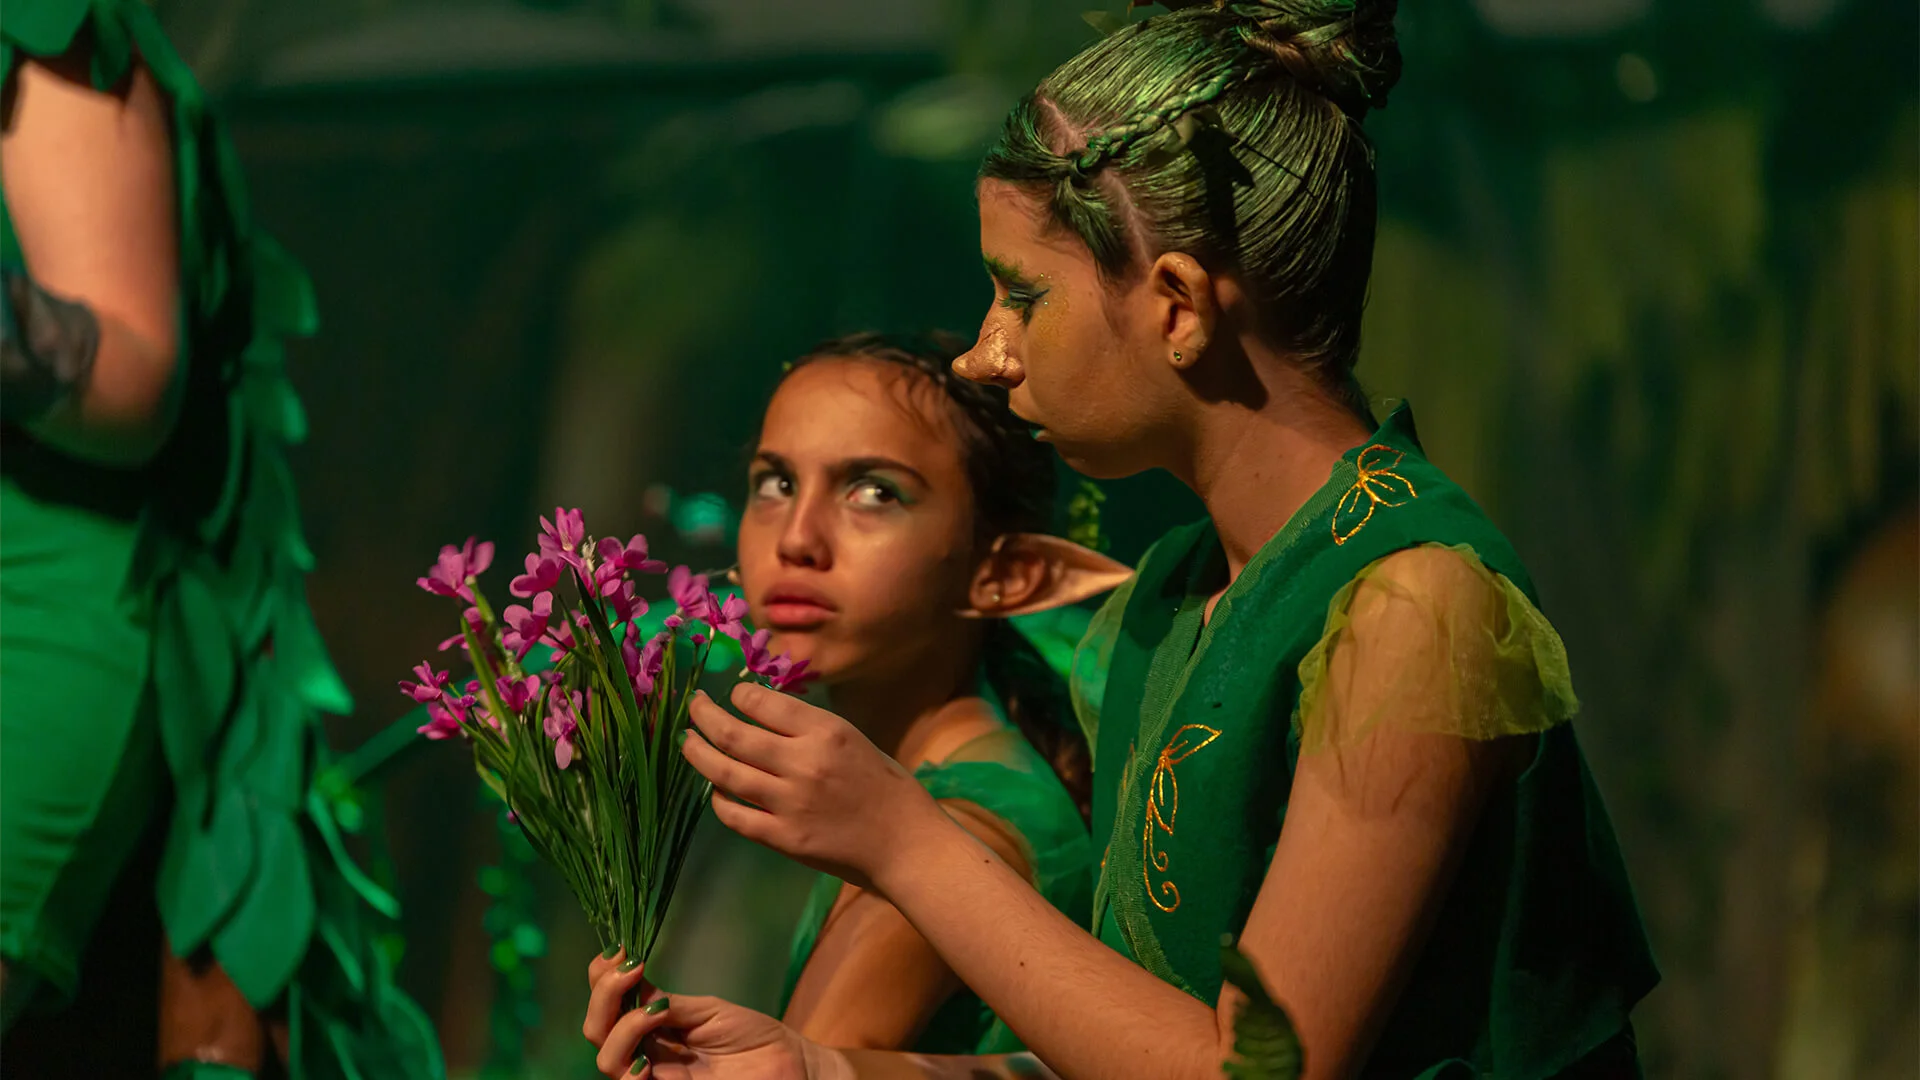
(543, 573)
(455, 567)
(517, 694)
(616, 558)
(690, 591)
(627, 605)
(789, 676)
(561, 637)
(781, 672)
(561, 538)
(562, 721)
(730, 618)
(429, 686)
(644, 662)
(526, 626)
(445, 717)
(443, 724)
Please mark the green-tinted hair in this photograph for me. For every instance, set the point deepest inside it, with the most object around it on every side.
(1231, 132)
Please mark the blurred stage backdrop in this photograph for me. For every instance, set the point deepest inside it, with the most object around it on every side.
(1649, 271)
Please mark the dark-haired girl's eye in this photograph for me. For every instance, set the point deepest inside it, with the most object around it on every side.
(770, 485)
(873, 492)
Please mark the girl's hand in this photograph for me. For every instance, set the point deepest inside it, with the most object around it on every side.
(691, 1038)
(808, 784)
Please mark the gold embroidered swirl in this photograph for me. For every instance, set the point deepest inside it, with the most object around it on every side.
(1163, 804)
(1376, 486)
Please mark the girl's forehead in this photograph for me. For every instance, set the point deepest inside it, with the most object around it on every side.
(850, 406)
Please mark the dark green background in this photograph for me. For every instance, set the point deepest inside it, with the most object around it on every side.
(1647, 270)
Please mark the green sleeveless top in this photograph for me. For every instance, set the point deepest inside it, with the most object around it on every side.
(1538, 954)
(1002, 774)
(197, 563)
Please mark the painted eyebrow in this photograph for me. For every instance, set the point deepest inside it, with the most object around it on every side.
(858, 465)
(850, 466)
(1006, 271)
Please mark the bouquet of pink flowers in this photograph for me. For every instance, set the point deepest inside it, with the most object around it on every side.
(584, 747)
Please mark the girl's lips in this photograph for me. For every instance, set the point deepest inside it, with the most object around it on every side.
(796, 614)
(797, 607)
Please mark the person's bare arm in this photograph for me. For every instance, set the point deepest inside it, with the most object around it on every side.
(1374, 832)
(89, 182)
(872, 982)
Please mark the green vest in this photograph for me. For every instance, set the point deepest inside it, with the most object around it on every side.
(1538, 955)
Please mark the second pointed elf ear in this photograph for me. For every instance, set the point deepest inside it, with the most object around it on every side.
(1029, 572)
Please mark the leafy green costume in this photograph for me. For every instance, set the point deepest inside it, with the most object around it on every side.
(154, 631)
(1537, 956)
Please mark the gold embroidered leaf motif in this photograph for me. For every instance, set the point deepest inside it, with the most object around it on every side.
(1376, 486)
(1163, 807)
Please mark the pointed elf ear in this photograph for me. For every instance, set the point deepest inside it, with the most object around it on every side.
(1028, 572)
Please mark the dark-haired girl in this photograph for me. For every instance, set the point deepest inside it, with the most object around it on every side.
(1330, 721)
(894, 521)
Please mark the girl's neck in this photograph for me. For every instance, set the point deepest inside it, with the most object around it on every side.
(1254, 468)
(912, 716)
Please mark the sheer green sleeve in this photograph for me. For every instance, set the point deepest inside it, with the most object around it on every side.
(1430, 640)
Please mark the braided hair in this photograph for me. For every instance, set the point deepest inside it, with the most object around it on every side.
(1230, 131)
(1011, 477)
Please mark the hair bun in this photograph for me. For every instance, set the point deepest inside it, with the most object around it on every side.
(1344, 50)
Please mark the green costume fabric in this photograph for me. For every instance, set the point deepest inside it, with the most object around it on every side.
(1537, 956)
(1002, 774)
(154, 631)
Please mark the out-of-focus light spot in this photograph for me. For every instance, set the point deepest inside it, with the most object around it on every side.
(1636, 78)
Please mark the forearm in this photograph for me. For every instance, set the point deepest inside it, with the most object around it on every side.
(1078, 1005)
(893, 1065)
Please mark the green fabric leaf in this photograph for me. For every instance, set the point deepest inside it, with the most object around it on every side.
(376, 897)
(1265, 1046)
(262, 944)
(195, 666)
(45, 29)
(204, 872)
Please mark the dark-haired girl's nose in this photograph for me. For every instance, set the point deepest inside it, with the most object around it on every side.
(803, 542)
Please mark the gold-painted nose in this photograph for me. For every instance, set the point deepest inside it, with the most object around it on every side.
(988, 361)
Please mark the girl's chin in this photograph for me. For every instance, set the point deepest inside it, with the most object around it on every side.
(799, 644)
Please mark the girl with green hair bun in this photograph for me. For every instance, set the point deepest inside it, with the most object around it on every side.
(1330, 721)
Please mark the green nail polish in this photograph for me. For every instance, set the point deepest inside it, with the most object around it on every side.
(656, 1007)
(609, 952)
(681, 739)
(630, 963)
(639, 1063)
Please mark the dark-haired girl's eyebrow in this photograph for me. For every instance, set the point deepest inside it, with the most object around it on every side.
(848, 467)
(861, 465)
